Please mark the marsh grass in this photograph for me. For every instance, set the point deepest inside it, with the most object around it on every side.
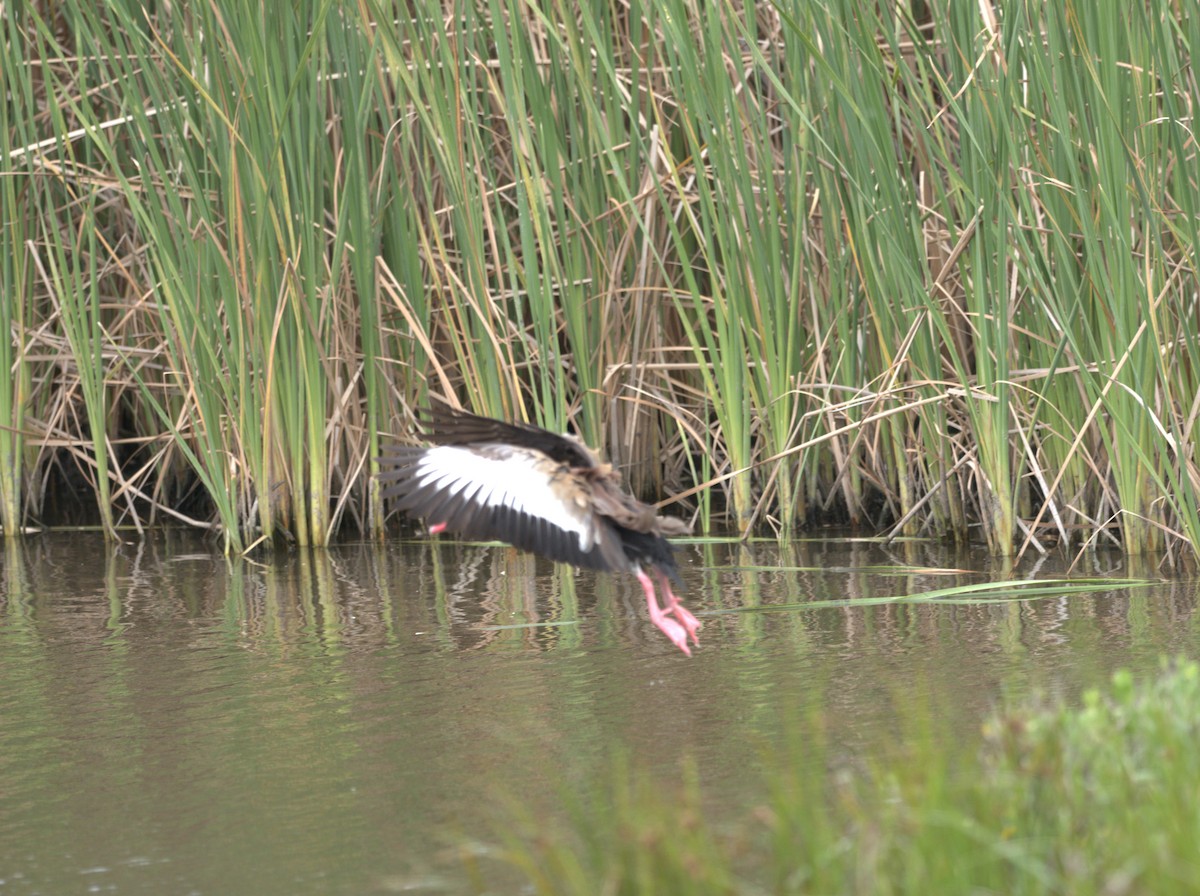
(962, 595)
(1049, 798)
(797, 262)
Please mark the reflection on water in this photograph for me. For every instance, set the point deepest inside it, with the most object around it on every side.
(174, 721)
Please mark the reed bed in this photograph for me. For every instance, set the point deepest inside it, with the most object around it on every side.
(927, 268)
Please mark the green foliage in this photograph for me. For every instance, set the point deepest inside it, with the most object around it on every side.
(1095, 798)
(795, 259)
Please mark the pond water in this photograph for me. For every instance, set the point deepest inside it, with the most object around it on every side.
(172, 721)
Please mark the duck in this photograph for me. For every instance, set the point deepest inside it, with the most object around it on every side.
(545, 493)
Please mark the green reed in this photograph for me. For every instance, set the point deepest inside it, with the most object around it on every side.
(800, 261)
(15, 282)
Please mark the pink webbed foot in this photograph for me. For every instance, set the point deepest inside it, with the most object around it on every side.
(662, 618)
(437, 528)
(682, 613)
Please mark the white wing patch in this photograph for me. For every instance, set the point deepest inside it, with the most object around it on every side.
(505, 476)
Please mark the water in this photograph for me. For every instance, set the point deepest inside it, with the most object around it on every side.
(344, 722)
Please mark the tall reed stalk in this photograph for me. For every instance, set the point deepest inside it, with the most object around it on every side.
(15, 285)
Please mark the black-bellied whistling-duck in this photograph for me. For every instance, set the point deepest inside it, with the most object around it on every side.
(541, 492)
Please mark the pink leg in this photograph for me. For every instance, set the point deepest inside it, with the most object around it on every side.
(668, 626)
(686, 619)
(437, 528)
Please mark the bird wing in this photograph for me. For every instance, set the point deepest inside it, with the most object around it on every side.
(509, 493)
(450, 426)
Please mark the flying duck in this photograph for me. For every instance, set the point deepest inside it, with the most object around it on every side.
(542, 492)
